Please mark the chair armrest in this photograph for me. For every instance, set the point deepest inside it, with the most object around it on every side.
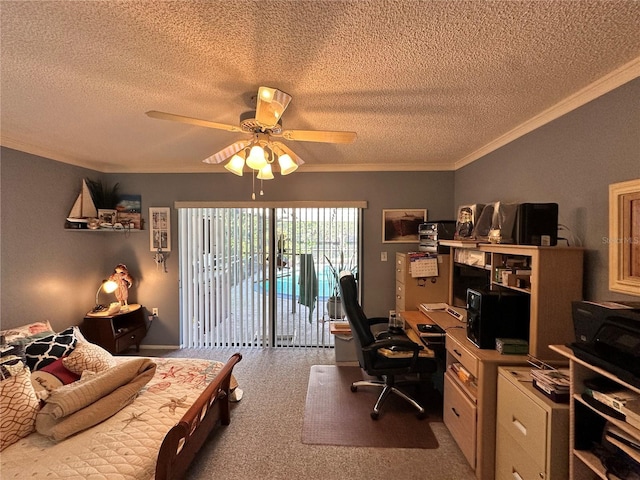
(377, 320)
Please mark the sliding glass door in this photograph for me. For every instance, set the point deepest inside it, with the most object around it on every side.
(263, 276)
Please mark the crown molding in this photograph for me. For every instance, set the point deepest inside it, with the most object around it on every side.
(629, 71)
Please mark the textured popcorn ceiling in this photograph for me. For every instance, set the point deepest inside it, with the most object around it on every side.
(426, 85)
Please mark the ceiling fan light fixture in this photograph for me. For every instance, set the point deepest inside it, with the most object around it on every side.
(270, 105)
(256, 159)
(265, 172)
(287, 165)
(235, 165)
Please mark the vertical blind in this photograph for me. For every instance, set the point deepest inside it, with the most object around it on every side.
(261, 276)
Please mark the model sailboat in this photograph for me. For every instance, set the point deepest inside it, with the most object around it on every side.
(84, 208)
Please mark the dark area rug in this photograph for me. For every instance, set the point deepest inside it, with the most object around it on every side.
(334, 415)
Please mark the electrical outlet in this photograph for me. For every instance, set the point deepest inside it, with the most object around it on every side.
(154, 312)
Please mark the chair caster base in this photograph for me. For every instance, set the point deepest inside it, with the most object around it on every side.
(375, 415)
(354, 388)
(421, 415)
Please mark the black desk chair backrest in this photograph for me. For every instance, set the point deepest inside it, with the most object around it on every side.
(362, 334)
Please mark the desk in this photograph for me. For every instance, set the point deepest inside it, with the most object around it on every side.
(469, 411)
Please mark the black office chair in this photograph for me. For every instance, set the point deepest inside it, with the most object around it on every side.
(369, 348)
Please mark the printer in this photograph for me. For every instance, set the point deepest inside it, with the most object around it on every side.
(608, 336)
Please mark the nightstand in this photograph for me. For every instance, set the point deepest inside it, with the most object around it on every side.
(116, 333)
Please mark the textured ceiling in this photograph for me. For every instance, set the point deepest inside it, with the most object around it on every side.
(427, 85)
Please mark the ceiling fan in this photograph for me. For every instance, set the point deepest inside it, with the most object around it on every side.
(262, 149)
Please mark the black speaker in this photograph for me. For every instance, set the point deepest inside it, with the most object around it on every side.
(537, 224)
(495, 314)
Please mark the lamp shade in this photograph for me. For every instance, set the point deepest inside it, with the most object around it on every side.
(287, 165)
(235, 165)
(265, 172)
(256, 159)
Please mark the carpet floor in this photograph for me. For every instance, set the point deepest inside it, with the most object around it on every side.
(334, 415)
(264, 440)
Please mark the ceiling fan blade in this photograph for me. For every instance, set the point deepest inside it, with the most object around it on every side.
(270, 105)
(227, 152)
(193, 121)
(289, 152)
(319, 136)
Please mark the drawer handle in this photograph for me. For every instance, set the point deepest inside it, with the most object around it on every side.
(516, 475)
(132, 337)
(519, 425)
(457, 352)
(454, 412)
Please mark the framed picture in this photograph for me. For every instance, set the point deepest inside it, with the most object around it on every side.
(129, 210)
(401, 225)
(160, 229)
(624, 237)
(107, 216)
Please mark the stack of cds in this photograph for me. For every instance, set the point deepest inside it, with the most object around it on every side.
(553, 383)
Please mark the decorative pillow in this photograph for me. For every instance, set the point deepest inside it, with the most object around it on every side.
(88, 356)
(50, 377)
(24, 341)
(10, 366)
(44, 351)
(18, 408)
(79, 336)
(12, 334)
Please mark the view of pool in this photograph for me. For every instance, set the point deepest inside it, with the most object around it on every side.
(285, 288)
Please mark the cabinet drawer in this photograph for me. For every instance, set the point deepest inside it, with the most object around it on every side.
(523, 419)
(459, 415)
(462, 354)
(127, 339)
(513, 462)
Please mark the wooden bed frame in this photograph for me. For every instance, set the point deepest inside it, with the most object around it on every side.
(182, 443)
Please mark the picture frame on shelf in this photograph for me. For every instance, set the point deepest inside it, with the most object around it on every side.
(401, 225)
(129, 211)
(624, 237)
(160, 229)
(107, 216)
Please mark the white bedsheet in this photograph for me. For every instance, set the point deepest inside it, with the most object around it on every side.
(124, 447)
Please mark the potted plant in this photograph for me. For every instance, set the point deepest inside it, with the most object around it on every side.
(334, 302)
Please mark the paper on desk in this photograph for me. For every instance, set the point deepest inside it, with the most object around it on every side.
(434, 306)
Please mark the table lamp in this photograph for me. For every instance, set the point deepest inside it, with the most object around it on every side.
(108, 286)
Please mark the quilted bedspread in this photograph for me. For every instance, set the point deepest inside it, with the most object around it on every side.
(124, 447)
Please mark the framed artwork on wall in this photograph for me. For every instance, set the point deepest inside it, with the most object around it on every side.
(624, 237)
(401, 225)
(160, 229)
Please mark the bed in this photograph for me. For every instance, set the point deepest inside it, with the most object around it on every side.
(157, 435)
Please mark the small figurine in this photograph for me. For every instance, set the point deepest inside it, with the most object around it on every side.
(124, 280)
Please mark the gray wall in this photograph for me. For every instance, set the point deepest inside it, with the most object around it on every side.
(47, 272)
(86, 257)
(570, 161)
(51, 273)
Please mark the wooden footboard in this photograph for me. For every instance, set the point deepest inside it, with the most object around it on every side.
(183, 441)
